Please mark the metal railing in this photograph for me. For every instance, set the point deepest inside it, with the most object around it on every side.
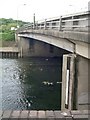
(74, 22)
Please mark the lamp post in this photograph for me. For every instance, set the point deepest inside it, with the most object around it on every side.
(34, 21)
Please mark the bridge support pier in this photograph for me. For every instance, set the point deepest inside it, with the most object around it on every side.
(83, 84)
(75, 82)
(68, 73)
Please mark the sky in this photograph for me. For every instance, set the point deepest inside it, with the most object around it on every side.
(24, 9)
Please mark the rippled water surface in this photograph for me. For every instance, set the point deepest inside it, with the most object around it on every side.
(32, 83)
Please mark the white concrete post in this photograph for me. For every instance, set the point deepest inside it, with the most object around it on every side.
(68, 72)
(71, 82)
(60, 23)
(72, 23)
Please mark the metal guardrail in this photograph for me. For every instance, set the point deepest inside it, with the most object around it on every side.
(75, 22)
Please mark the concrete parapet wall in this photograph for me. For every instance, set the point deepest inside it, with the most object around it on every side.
(40, 115)
(71, 35)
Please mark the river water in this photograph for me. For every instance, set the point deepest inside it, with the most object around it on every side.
(30, 84)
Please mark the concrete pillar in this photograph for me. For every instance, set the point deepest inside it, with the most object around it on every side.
(45, 24)
(60, 23)
(16, 37)
(83, 78)
(72, 23)
(37, 25)
(68, 75)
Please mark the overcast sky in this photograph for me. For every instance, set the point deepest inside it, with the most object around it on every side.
(42, 8)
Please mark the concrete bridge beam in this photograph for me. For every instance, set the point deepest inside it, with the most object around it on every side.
(58, 42)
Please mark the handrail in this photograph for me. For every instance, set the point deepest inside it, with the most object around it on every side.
(79, 20)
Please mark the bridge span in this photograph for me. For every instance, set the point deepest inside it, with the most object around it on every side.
(68, 32)
(67, 37)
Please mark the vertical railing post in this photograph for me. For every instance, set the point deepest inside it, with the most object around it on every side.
(45, 24)
(72, 23)
(51, 25)
(37, 25)
(60, 23)
(40, 26)
(34, 21)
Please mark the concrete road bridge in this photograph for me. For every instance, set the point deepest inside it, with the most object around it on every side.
(67, 37)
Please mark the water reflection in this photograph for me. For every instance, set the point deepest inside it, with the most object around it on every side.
(31, 83)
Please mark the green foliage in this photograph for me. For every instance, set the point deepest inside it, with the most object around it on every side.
(5, 28)
(8, 36)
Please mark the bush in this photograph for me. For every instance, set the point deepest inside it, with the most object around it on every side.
(8, 36)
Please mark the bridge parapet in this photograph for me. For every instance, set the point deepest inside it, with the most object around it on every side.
(73, 22)
(72, 29)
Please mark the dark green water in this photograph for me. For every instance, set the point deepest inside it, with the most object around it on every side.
(32, 83)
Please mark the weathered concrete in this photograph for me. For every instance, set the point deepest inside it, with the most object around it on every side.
(75, 42)
(82, 49)
(58, 42)
(70, 35)
(68, 86)
(64, 32)
(9, 52)
(34, 48)
(47, 115)
(79, 92)
(9, 49)
(8, 43)
(83, 87)
(70, 22)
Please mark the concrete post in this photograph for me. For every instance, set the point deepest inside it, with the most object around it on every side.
(60, 23)
(72, 23)
(16, 37)
(64, 72)
(68, 74)
(37, 25)
(72, 78)
(45, 24)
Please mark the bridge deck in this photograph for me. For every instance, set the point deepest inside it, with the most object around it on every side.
(72, 115)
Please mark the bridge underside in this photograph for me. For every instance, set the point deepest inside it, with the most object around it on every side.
(62, 43)
(35, 48)
(72, 42)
